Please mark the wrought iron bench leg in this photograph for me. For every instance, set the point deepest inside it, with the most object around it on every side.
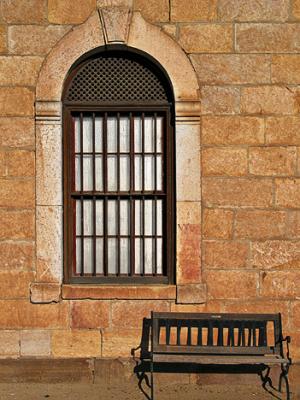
(152, 380)
(284, 376)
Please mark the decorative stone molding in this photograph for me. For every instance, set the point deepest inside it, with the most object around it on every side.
(112, 23)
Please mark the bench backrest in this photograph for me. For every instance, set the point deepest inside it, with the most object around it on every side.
(198, 333)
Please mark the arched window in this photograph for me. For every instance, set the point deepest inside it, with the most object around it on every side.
(119, 189)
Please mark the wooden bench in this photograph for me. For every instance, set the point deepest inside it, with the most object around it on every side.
(219, 339)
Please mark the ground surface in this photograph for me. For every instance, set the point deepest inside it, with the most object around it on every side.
(85, 391)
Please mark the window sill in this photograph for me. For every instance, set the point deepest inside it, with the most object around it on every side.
(145, 292)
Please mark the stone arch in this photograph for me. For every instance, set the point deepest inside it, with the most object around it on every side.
(115, 25)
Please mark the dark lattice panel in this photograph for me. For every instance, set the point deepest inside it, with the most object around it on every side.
(115, 79)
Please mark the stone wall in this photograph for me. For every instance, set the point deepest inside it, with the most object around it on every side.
(246, 55)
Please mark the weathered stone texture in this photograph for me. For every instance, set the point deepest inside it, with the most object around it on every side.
(188, 253)
(15, 284)
(26, 39)
(225, 255)
(286, 69)
(293, 228)
(268, 38)
(237, 192)
(220, 100)
(270, 161)
(287, 193)
(232, 69)
(260, 224)
(233, 130)
(17, 255)
(23, 11)
(280, 284)
(217, 224)
(76, 343)
(20, 163)
(269, 100)
(295, 309)
(224, 161)
(197, 10)
(9, 343)
(3, 39)
(21, 71)
(153, 10)
(17, 193)
(261, 10)
(283, 130)
(118, 343)
(16, 132)
(69, 11)
(44, 292)
(296, 8)
(90, 314)
(16, 101)
(206, 38)
(191, 294)
(17, 224)
(35, 343)
(276, 254)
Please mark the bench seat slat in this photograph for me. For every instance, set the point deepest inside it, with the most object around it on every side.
(162, 348)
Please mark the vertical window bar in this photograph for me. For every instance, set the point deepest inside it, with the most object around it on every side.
(132, 236)
(94, 198)
(154, 221)
(82, 237)
(119, 237)
(105, 153)
(143, 237)
(105, 253)
(143, 152)
(81, 152)
(118, 152)
(132, 183)
(154, 270)
(81, 197)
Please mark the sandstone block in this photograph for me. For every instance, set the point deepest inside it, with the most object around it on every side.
(20, 163)
(16, 132)
(15, 284)
(17, 193)
(26, 39)
(21, 71)
(44, 293)
(191, 294)
(260, 224)
(283, 130)
(245, 10)
(217, 224)
(197, 10)
(35, 343)
(10, 343)
(118, 343)
(90, 314)
(206, 38)
(293, 227)
(171, 30)
(2, 164)
(114, 3)
(17, 224)
(269, 100)
(3, 39)
(23, 11)
(285, 69)
(215, 306)
(237, 192)
(76, 343)
(220, 100)
(153, 10)
(296, 9)
(224, 161)
(268, 38)
(221, 254)
(130, 314)
(69, 11)
(276, 254)
(231, 285)
(17, 256)
(188, 253)
(188, 212)
(232, 69)
(280, 284)
(232, 130)
(261, 306)
(287, 193)
(16, 101)
(270, 161)
(295, 314)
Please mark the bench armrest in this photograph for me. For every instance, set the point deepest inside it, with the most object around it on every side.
(287, 339)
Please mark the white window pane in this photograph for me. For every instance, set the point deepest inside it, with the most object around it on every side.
(111, 134)
(149, 134)
(99, 217)
(149, 172)
(112, 251)
(77, 173)
(124, 217)
(78, 217)
(99, 173)
(148, 256)
(98, 134)
(138, 173)
(78, 256)
(159, 218)
(137, 134)
(87, 172)
(159, 130)
(87, 134)
(137, 262)
(137, 217)
(88, 217)
(88, 256)
(112, 169)
(159, 177)
(124, 134)
(77, 134)
(159, 256)
(148, 217)
(99, 256)
(112, 217)
(124, 173)
(124, 255)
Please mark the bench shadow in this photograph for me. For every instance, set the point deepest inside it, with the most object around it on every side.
(143, 367)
